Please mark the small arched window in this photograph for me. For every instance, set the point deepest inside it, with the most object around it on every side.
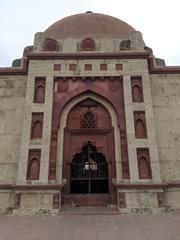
(144, 171)
(140, 130)
(39, 94)
(88, 120)
(137, 94)
(88, 44)
(37, 130)
(33, 170)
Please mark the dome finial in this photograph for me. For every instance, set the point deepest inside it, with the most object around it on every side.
(89, 12)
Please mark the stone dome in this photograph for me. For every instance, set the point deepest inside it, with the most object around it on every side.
(93, 25)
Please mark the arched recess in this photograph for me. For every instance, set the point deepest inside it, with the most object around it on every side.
(82, 90)
(144, 168)
(140, 130)
(33, 169)
(36, 130)
(39, 94)
(144, 165)
(63, 120)
(137, 94)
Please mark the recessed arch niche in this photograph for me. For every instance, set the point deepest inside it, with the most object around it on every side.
(61, 142)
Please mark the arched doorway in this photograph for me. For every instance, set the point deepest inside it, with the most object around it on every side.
(89, 171)
(88, 158)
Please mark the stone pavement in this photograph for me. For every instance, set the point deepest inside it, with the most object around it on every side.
(91, 224)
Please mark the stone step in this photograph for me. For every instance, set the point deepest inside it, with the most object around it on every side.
(89, 211)
(85, 200)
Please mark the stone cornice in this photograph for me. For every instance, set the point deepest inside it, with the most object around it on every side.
(147, 186)
(88, 55)
(32, 187)
(22, 70)
(89, 79)
(153, 69)
(118, 186)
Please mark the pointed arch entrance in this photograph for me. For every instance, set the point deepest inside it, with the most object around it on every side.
(89, 165)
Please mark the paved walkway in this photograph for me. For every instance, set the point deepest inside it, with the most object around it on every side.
(100, 226)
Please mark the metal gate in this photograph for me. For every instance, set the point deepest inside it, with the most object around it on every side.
(89, 171)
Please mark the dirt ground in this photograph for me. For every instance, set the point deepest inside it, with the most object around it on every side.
(91, 225)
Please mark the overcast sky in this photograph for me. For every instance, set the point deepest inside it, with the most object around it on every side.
(158, 20)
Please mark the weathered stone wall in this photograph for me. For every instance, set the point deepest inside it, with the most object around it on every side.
(172, 198)
(12, 95)
(36, 203)
(140, 201)
(165, 90)
(6, 201)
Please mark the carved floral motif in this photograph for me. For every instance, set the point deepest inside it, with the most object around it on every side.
(125, 45)
(88, 44)
(51, 45)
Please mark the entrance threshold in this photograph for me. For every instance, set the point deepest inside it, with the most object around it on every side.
(98, 210)
(86, 200)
